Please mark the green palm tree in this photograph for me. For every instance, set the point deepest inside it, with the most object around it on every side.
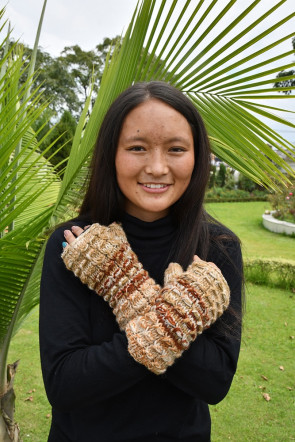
(224, 77)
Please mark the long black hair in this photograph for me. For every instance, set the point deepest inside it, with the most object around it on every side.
(104, 202)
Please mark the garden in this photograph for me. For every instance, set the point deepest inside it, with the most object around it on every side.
(40, 188)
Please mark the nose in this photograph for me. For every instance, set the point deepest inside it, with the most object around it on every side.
(157, 164)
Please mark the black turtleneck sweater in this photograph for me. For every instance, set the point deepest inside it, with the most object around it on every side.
(97, 391)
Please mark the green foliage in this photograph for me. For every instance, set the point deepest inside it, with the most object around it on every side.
(222, 83)
(212, 179)
(287, 79)
(59, 140)
(245, 183)
(271, 272)
(283, 204)
(222, 194)
(221, 174)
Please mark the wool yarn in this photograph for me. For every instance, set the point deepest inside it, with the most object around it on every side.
(160, 323)
(188, 304)
(103, 260)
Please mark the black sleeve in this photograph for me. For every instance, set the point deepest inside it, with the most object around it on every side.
(207, 368)
(77, 370)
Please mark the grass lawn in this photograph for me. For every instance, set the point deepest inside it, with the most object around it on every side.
(266, 366)
(244, 415)
(245, 219)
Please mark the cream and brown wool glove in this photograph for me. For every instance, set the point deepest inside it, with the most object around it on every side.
(189, 303)
(103, 259)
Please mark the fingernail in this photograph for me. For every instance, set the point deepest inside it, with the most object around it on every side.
(67, 232)
(74, 227)
(64, 244)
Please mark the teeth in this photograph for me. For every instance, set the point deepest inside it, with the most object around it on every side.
(155, 186)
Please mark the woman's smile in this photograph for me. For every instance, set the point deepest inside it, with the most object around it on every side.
(155, 188)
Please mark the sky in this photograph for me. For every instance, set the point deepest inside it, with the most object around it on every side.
(87, 22)
(69, 22)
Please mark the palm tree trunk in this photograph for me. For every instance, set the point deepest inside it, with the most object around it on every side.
(9, 430)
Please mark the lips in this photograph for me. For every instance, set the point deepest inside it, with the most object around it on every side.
(154, 187)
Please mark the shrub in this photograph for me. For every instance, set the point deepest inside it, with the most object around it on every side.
(245, 183)
(212, 176)
(269, 272)
(283, 204)
(220, 179)
(221, 194)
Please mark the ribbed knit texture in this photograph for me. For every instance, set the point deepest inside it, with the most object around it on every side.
(161, 324)
(95, 386)
(189, 303)
(103, 259)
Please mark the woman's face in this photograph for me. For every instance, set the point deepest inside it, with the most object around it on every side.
(154, 159)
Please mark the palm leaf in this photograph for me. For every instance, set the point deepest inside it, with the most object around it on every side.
(202, 53)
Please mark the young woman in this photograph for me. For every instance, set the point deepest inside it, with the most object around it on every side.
(134, 348)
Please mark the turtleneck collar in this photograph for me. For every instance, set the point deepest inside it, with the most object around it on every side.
(162, 229)
(152, 242)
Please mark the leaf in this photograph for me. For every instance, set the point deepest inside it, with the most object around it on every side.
(266, 396)
(281, 367)
(264, 377)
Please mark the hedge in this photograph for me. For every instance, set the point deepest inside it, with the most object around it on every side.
(273, 273)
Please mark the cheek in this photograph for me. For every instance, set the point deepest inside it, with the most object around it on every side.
(186, 170)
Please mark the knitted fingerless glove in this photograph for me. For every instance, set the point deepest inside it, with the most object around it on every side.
(103, 259)
(189, 303)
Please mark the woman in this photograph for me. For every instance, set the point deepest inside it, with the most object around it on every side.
(131, 347)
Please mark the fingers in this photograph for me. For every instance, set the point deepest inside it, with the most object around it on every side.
(70, 236)
(172, 272)
(197, 259)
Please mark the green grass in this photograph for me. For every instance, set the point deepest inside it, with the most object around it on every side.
(32, 416)
(245, 219)
(244, 415)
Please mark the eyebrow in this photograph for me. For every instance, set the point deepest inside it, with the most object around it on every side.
(169, 140)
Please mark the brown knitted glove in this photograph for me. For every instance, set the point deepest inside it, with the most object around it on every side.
(103, 259)
(189, 303)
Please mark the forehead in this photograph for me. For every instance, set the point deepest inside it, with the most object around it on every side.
(155, 117)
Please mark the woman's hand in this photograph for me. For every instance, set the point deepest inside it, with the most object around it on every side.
(102, 258)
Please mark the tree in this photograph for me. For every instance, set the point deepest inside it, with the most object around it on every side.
(28, 185)
(86, 67)
(220, 179)
(59, 141)
(214, 71)
(289, 76)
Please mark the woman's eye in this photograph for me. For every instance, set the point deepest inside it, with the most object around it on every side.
(176, 149)
(136, 149)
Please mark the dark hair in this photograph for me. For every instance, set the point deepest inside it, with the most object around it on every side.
(198, 232)
(104, 202)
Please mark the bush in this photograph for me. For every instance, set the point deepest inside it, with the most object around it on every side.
(269, 272)
(221, 175)
(212, 176)
(245, 183)
(283, 204)
(221, 194)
